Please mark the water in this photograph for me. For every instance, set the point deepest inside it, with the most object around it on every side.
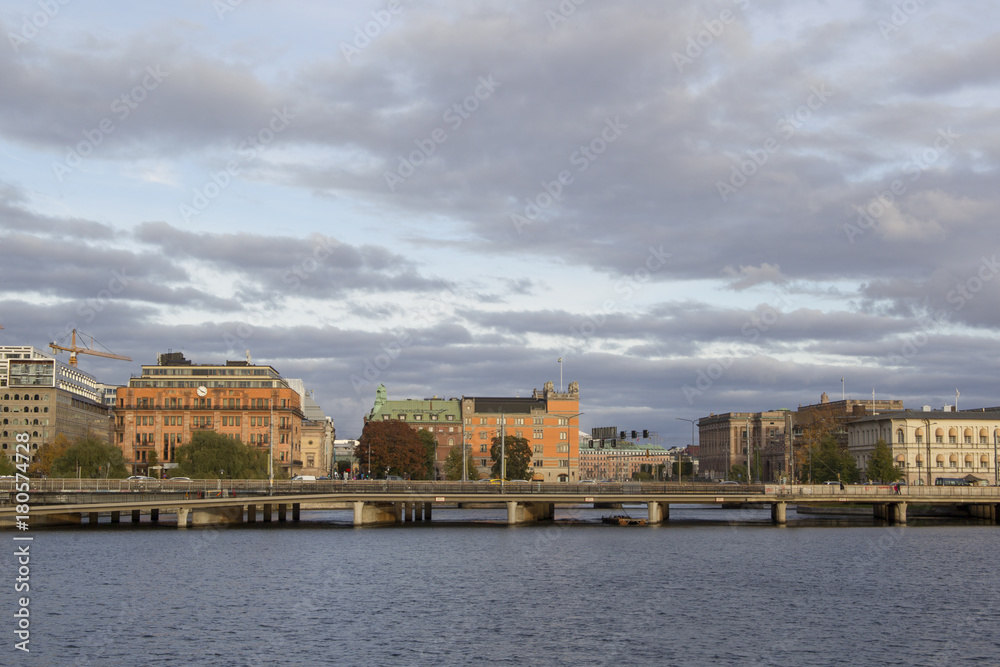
(714, 586)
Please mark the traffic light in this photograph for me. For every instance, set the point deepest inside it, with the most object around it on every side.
(645, 433)
(634, 435)
(621, 435)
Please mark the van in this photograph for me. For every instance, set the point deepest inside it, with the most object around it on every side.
(304, 478)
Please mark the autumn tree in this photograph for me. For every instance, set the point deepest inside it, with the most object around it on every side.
(453, 465)
(90, 457)
(7, 466)
(393, 446)
(830, 462)
(47, 455)
(518, 454)
(208, 454)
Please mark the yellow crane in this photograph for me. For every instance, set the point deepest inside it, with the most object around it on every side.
(73, 349)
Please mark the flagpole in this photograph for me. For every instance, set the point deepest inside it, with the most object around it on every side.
(560, 374)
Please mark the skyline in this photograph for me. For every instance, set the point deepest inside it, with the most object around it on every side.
(707, 207)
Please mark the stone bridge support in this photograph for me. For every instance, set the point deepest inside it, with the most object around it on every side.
(987, 511)
(371, 513)
(529, 512)
(779, 513)
(657, 512)
(216, 516)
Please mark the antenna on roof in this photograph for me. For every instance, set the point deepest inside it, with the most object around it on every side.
(249, 359)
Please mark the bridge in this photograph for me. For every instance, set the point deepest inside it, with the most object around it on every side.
(217, 502)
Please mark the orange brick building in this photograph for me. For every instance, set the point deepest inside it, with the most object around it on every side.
(549, 421)
(159, 411)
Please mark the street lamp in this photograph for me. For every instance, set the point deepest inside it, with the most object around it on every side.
(680, 462)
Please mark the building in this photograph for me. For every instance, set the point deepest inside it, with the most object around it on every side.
(622, 460)
(45, 397)
(343, 457)
(740, 438)
(172, 399)
(440, 417)
(548, 420)
(316, 442)
(928, 444)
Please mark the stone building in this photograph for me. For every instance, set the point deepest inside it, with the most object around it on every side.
(44, 397)
(317, 438)
(930, 444)
(442, 418)
(741, 438)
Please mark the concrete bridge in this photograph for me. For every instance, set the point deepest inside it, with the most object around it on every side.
(215, 502)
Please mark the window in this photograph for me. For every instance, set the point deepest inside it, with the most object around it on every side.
(482, 462)
(449, 417)
(563, 448)
(900, 437)
(538, 434)
(385, 418)
(939, 439)
(401, 417)
(952, 439)
(563, 435)
(539, 449)
(482, 448)
(563, 463)
(434, 418)
(416, 418)
(519, 421)
(538, 464)
(919, 439)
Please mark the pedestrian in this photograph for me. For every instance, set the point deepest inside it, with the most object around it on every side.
(841, 486)
(896, 487)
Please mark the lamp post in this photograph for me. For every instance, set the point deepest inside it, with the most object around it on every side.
(680, 462)
(927, 422)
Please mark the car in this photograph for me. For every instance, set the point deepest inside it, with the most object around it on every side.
(304, 478)
(589, 481)
(393, 478)
(728, 481)
(179, 479)
(140, 478)
(833, 483)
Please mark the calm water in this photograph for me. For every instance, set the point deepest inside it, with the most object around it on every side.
(713, 587)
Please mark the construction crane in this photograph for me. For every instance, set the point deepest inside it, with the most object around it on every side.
(73, 349)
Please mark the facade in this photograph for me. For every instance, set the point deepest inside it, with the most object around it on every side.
(621, 460)
(45, 397)
(729, 439)
(441, 417)
(317, 439)
(343, 456)
(928, 444)
(172, 399)
(548, 420)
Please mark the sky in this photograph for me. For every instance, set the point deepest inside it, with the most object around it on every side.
(699, 207)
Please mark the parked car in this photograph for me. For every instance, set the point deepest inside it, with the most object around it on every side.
(179, 479)
(393, 478)
(140, 478)
(304, 478)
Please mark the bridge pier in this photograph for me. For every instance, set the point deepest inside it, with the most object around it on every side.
(136, 516)
(251, 514)
(282, 512)
(779, 513)
(92, 518)
(182, 517)
(520, 512)
(296, 511)
(268, 511)
(116, 517)
(154, 515)
(368, 513)
(655, 512)
(897, 513)
(427, 511)
(217, 516)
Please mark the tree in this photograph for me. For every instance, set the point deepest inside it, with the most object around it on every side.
(47, 455)
(430, 451)
(832, 462)
(153, 461)
(453, 465)
(518, 454)
(90, 457)
(393, 446)
(881, 467)
(688, 469)
(7, 466)
(209, 453)
(738, 473)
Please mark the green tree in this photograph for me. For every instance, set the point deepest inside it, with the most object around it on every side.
(93, 458)
(738, 473)
(394, 446)
(688, 469)
(832, 462)
(429, 443)
(881, 467)
(518, 454)
(209, 453)
(453, 465)
(7, 466)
